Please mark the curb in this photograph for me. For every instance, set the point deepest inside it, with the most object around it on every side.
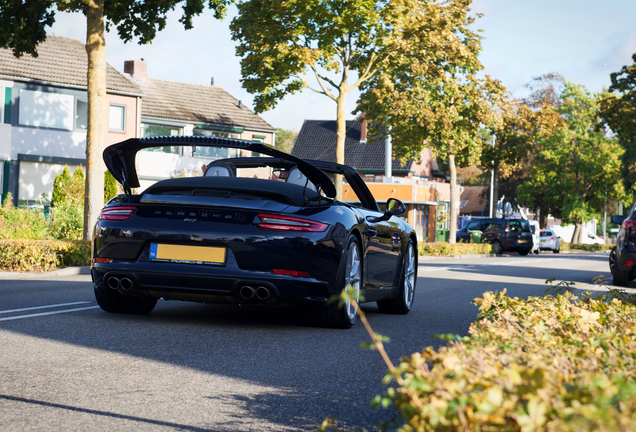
(68, 271)
(510, 254)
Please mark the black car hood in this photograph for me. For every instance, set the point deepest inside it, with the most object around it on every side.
(120, 158)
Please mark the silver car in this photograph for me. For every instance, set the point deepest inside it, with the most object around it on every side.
(549, 241)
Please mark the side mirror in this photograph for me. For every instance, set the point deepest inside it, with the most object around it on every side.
(395, 207)
(617, 219)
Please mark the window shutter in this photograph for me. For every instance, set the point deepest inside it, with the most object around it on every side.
(7, 105)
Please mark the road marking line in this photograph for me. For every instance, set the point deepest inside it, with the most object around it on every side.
(47, 313)
(43, 307)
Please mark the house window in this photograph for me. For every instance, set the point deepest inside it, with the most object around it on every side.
(152, 130)
(260, 139)
(81, 114)
(47, 110)
(117, 118)
(215, 152)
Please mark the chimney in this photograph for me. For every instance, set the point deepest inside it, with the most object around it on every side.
(138, 69)
(212, 81)
(363, 131)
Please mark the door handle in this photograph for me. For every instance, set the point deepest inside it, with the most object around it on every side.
(372, 232)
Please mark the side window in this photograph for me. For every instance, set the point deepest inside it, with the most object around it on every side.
(474, 225)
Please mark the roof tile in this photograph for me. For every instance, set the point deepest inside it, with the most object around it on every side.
(60, 60)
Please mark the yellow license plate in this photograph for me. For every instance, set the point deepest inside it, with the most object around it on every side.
(522, 241)
(194, 254)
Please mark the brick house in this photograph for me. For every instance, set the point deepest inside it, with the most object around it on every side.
(420, 185)
(44, 115)
(176, 108)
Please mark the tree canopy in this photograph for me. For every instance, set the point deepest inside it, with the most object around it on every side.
(345, 45)
(618, 112)
(430, 95)
(577, 163)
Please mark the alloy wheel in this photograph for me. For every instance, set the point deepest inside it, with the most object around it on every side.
(353, 278)
(409, 276)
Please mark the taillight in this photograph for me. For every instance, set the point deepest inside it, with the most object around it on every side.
(291, 273)
(629, 225)
(117, 213)
(288, 223)
(101, 260)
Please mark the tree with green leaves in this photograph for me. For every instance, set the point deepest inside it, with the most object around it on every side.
(430, 94)
(618, 112)
(285, 140)
(577, 164)
(341, 45)
(517, 141)
(23, 25)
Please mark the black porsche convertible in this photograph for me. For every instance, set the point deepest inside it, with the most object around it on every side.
(264, 229)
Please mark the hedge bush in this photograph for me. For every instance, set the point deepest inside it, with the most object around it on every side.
(554, 363)
(43, 255)
(447, 249)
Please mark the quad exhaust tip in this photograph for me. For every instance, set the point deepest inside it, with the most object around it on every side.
(262, 293)
(124, 283)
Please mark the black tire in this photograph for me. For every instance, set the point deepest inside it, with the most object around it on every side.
(497, 247)
(524, 252)
(556, 250)
(403, 301)
(113, 301)
(620, 278)
(350, 273)
(536, 252)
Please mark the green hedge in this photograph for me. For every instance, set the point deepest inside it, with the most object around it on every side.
(555, 363)
(447, 249)
(586, 247)
(43, 255)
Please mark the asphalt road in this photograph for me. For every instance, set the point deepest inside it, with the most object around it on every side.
(67, 365)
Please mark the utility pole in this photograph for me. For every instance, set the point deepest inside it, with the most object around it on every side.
(492, 182)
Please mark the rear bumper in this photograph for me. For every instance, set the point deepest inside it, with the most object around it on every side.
(204, 283)
(625, 254)
(513, 245)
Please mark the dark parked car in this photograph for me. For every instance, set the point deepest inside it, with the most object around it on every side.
(226, 238)
(623, 256)
(505, 234)
(549, 241)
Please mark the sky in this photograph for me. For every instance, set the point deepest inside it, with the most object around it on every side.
(583, 40)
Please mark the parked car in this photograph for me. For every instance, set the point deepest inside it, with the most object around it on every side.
(536, 238)
(549, 241)
(505, 234)
(226, 238)
(623, 256)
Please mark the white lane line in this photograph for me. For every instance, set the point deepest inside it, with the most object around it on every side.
(42, 307)
(48, 313)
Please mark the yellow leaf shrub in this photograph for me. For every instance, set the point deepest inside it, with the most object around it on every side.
(556, 363)
(447, 249)
(43, 255)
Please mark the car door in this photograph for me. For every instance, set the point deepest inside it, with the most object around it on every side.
(382, 253)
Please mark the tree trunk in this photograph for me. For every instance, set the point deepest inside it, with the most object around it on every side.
(543, 218)
(341, 133)
(578, 233)
(454, 200)
(97, 114)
